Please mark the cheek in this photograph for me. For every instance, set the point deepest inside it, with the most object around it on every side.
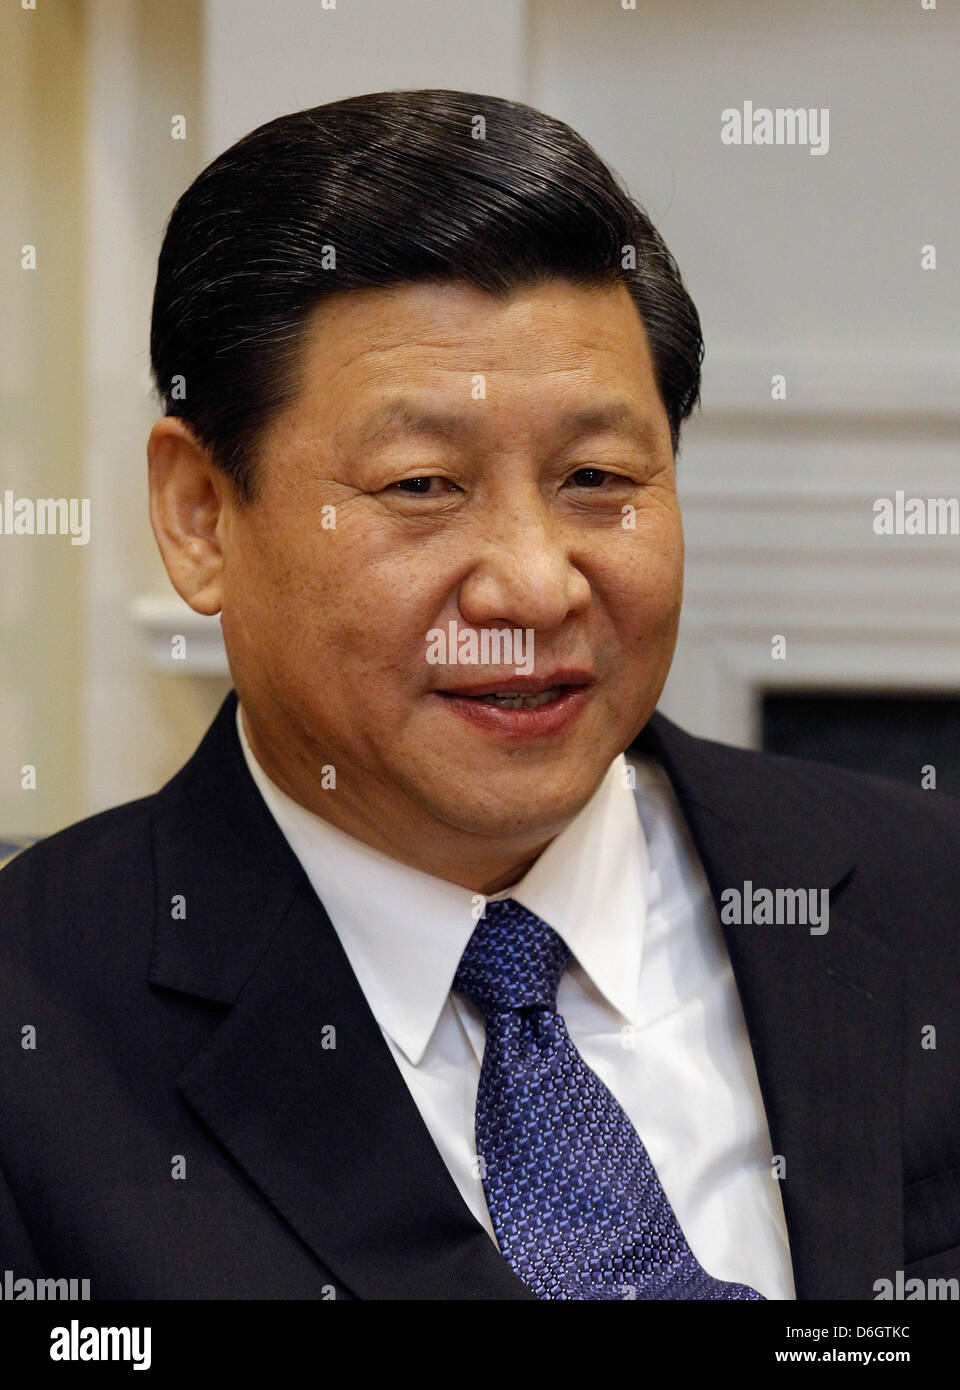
(277, 604)
(386, 595)
(361, 619)
(644, 578)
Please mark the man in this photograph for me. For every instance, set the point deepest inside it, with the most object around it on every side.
(401, 988)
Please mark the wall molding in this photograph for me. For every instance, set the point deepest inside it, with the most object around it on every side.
(161, 618)
(831, 384)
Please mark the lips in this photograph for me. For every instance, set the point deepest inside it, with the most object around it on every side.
(518, 708)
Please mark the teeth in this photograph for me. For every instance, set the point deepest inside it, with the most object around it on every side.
(511, 701)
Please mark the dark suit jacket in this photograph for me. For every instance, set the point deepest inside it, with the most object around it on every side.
(308, 1171)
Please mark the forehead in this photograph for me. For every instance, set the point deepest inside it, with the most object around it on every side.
(373, 359)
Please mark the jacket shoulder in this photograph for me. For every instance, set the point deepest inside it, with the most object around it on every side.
(871, 807)
(85, 862)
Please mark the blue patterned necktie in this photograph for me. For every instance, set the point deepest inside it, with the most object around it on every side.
(575, 1202)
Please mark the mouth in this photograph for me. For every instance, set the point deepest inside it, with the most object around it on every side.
(522, 705)
(513, 699)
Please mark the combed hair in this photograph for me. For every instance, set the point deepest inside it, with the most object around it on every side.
(400, 187)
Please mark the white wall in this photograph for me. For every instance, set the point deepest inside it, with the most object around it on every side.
(41, 351)
(781, 248)
(264, 59)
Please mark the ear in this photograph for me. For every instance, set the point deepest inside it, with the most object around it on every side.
(188, 495)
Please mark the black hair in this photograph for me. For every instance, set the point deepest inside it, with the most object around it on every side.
(378, 190)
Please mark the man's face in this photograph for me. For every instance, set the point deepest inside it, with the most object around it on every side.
(551, 506)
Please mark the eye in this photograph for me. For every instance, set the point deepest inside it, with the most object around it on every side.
(593, 477)
(420, 487)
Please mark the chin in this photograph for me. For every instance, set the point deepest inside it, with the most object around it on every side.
(501, 812)
(527, 826)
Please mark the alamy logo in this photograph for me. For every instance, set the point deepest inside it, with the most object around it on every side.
(900, 515)
(18, 1290)
(76, 1343)
(781, 125)
(912, 1290)
(46, 516)
(777, 906)
(491, 646)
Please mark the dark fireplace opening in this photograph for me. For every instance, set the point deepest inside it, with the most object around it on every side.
(896, 735)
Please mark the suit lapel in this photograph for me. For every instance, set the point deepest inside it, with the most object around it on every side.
(823, 1012)
(297, 1082)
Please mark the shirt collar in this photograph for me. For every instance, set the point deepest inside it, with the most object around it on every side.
(404, 931)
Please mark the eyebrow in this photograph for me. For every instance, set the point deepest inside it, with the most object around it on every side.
(617, 416)
(412, 417)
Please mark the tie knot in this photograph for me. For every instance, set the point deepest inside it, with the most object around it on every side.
(513, 960)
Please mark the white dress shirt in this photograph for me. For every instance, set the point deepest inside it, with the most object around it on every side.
(648, 998)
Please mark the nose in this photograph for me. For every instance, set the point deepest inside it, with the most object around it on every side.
(524, 576)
